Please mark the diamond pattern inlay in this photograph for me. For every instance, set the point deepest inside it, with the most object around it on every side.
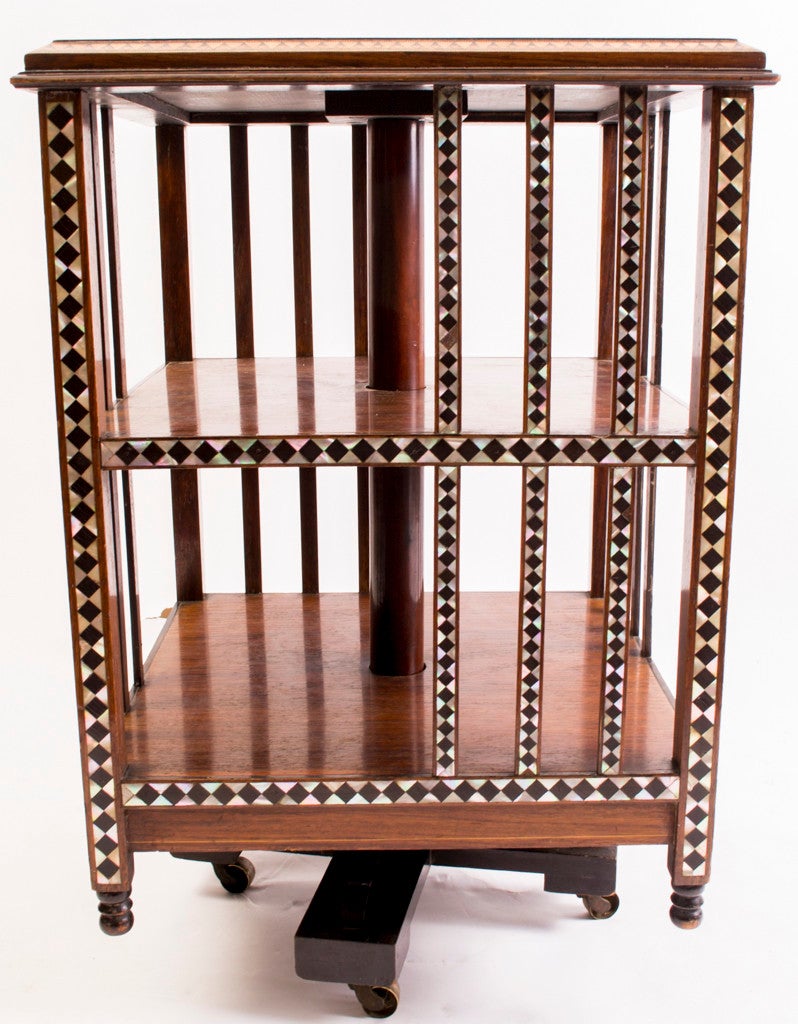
(449, 449)
(532, 615)
(715, 493)
(632, 169)
(62, 192)
(447, 482)
(525, 789)
(539, 154)
(448, 121)
(616, 616)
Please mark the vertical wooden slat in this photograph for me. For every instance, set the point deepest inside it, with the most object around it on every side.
(655, 368)
(303, 328)
(176, 292)
(448, 128)
(642, 515)
(607, 327)
(631, 232)
(111, 338)
(727, 128)
(120, 382)
(68, 177)
(245, 340)
(361, 282)
(616, 617)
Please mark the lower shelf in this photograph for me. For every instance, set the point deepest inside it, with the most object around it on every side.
(278, 686)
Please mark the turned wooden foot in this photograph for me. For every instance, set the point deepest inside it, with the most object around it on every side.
(116, 914)
(686, 904)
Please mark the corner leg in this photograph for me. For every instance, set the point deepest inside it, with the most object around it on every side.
(116, 913)
(686, 905)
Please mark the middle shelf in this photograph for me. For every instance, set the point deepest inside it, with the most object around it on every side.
(320, 411)
(278, 686)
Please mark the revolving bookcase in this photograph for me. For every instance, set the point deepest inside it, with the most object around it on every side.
(334, 722)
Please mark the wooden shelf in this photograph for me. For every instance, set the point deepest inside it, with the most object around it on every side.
(278, 686)
(328, 397)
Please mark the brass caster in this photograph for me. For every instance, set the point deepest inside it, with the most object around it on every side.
(601, 907)
(236, 877)
(378, 1000)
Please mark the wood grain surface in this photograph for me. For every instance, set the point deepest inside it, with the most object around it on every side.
(279, 686)
(329, 395)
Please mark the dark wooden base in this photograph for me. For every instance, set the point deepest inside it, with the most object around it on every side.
(578, 871)
(357, 927)
(686, 904)
(116, 914)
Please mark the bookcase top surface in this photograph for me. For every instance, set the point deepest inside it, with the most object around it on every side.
(396, 60)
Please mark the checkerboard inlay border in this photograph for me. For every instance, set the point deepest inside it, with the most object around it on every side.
(632, 170)
(539, 157)
(447, 486)
(532, 616)
(434, 450)
(616, 616)
(63, 196)
(448, 126)
(327, 792)
(733, 157)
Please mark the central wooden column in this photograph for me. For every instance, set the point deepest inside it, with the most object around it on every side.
(396, 363)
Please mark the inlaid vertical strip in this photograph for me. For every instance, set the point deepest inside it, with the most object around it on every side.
(539, 154)
(616, 616)
(447, 483)
(64, 166)
(632, 171)
(532, 614)
(730, 158)
(448, 122)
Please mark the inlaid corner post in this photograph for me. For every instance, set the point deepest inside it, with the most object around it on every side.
(532, 593)
(607, 329)
(726, 156)
(68, 182)
(360, 274)
(245, 340)
(176, 292)
(448, 117)
(303, 329)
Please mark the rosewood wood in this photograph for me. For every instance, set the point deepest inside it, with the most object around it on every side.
(607, 328)
(396, 363)
(120, 382)
(479, 826)
(687, 902)
(360, 230)
(176, 292)
(329, 396)
(68, 181)
(262, 686)
(303, 329)
(116, 913)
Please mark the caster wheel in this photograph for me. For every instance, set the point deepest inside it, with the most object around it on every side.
(378, 1000)
(601, 907)
(235, 877)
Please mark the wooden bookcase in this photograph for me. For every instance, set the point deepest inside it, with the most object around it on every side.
(256, 722)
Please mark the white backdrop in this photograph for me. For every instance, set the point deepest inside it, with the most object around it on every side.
(74, 972)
